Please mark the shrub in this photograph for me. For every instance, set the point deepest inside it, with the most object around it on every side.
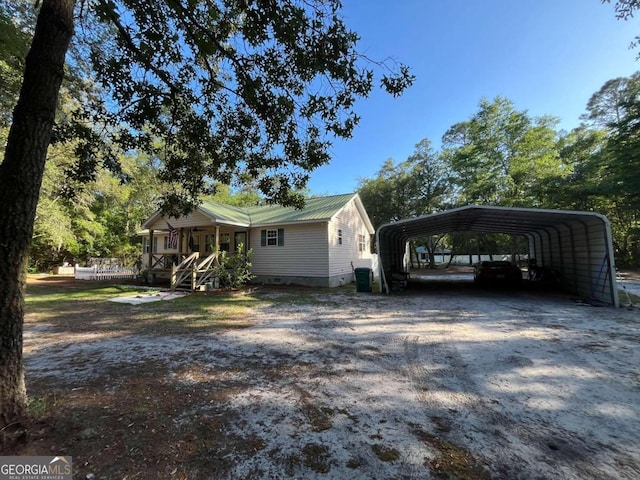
(234, 271)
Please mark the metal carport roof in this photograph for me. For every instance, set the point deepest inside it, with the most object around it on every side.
(576, 244)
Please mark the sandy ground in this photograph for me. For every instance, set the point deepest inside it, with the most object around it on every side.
(366, 386)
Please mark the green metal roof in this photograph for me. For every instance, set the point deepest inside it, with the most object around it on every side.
(315, 210)
(225, 213)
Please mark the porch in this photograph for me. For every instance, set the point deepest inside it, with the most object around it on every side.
(185, 251)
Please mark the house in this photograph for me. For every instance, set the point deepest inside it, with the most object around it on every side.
(318, 245)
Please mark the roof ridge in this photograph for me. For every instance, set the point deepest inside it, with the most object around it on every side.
(335, 195)
(316, 209)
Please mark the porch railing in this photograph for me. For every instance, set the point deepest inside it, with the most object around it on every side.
(164, 261)
(191, 274)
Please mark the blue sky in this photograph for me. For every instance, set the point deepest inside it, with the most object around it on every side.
(547, 56)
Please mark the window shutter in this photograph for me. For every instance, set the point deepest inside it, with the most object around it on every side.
(281, 237)
(263, 238)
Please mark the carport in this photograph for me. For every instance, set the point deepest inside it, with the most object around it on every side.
(576, 244)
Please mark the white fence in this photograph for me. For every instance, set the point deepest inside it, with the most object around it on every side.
(375, 264)
(468, 259)
(104, 273)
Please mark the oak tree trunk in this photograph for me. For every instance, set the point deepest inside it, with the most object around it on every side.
(20, 179)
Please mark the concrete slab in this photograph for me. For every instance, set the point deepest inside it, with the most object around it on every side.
(141, 298)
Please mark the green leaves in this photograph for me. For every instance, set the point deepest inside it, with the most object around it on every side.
(14, 43)
(417, 186)
(396, 84)
(616, 108)
(625, 8)
(501, 156)
(229, 87)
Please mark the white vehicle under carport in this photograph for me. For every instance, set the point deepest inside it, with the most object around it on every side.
(577, 245)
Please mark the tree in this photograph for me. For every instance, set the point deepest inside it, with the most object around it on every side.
(430, 184)
(417, 186)
(625, 8)
(430, 179)
(14, 44)
(605, 107)
(244, 196)
(616, 108)
(20, 178)
(55, 239)
(383, 195)
(582, 150)
(623, 139)
(501, 156)
(228, 86)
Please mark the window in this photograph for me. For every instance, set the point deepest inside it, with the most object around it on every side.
(194, 242)
(145, 245)
(225, 242)
(362, 243)
(166, 244)
(339, 237)
(209, 243)
(240, 239)
(272, 237)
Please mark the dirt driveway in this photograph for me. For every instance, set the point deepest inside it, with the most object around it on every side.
(455, 384)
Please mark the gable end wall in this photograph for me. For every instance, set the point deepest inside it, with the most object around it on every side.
(342, 256)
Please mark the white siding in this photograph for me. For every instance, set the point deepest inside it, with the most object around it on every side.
(350, 222)
(161, 242)
(304, 252)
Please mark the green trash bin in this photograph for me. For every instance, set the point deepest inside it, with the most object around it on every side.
(363, 279)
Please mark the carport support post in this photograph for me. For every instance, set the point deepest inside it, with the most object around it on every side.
(612, 268)
(382, 277)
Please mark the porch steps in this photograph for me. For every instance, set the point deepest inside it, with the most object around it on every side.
(193, 274)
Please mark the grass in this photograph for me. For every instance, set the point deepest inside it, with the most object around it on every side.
(38, 407)
(128, 411)
(384, 453)
(451, 462)
(73, 307)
